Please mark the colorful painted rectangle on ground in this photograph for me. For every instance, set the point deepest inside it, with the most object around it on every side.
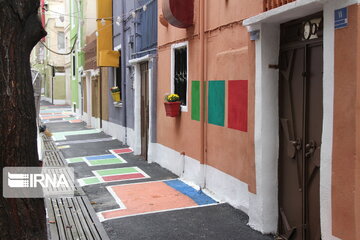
(64, 147)
(152, 197)
(114, 175)
(238, 105)
(62, 135)
(76, 121)
(69, 118)
(50, 113)
(98, 160)
(121, 151)
(54, 117)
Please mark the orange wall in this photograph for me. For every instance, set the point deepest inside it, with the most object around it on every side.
(228, 58)
(230, 55)
(180, 133)
(346, 120)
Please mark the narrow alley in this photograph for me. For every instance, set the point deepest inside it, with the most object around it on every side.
(133, 199)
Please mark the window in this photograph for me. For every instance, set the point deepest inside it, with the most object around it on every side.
(73, 64)
(117, 78)
(180, 71)
(61, 40)
(72, 11)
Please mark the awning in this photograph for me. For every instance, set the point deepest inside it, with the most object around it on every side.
(109, 58)
(179, 13)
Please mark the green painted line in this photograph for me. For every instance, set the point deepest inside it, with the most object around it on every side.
(75, 160)
(195, 100)
(105, 161)
(114, 171)
(216, 103)
(68, 119)
(61, 135)
(91, 180)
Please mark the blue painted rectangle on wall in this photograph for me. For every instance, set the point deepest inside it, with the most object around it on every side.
(341, 18)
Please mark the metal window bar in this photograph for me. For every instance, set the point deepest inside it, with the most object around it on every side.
(180, 74)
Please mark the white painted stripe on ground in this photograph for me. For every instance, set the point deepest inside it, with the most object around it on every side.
(164, 180)
(102, 219)
(85, 141)
(116, 197)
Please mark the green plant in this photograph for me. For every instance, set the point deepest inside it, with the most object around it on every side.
(115, 89)
(172, 97)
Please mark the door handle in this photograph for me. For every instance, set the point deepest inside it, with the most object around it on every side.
(293, 145)
(310, 148)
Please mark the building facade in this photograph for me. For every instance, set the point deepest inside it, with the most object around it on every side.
(77, 56)
(49, 62)
(128, 62)
(90, 78)
(269, 111)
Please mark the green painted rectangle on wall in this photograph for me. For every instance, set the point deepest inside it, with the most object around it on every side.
(195, 100)
(216, 103)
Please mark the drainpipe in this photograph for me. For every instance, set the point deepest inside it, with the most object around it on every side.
(203, 131)
(100, 98)
(123, 65)
(52, 84)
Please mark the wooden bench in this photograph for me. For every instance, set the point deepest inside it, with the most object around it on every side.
(71, 218)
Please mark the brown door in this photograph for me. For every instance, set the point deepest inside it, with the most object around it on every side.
(300, 112)
(144, 69)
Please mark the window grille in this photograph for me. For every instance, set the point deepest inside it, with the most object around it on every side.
(180, 74)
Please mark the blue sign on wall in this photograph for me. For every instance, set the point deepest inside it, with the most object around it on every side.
(341, 18)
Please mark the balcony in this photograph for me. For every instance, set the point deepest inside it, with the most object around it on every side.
(270, 4)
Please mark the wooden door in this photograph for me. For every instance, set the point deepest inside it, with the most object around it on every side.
(301, 116)
(144, 69)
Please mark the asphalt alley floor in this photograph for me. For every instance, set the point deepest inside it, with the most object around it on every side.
(134, 199)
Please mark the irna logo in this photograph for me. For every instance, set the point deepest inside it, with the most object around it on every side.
(16, 180)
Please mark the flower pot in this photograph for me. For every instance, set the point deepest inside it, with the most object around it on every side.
(116, 96)
(172, 108)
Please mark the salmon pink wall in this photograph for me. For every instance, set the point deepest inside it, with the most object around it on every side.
(180, 133)
(346, 120)
(227, 11)
(230, 150)
(229, 55)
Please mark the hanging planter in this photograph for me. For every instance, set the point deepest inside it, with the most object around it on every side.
(115, 93)
(172, 105)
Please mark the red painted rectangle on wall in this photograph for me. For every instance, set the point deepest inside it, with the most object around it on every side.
(238, 105)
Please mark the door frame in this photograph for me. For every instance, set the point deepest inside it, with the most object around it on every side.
(136, 143)
(145, 124)
(263, 214)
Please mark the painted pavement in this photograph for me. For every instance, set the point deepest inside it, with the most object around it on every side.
(60, 136)
(152, 197)
(105, 159)
(113, 175)
(48, 114)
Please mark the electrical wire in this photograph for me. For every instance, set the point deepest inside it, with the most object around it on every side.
(63, 54)
(81, 18)
(122, 18)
